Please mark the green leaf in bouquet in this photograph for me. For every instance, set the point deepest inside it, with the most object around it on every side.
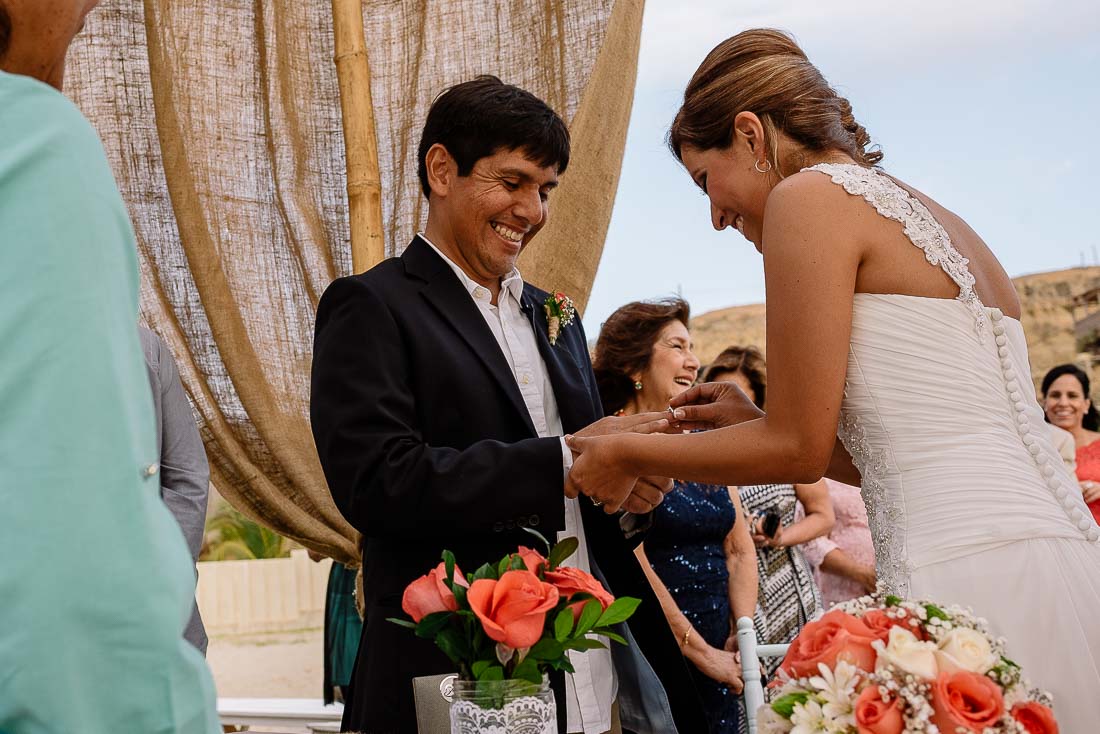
(541, 537)
(460, 596)
(589, 614)
(453, 644)
(619, 611)
(561, 551)
(528, 670)
(935, 612)
(563, 624)
(486, 571)
(402, 622)
(504, 566)
(546, 649)
(449, 569)
(585, 643)
(493, 672)
(609, 634)
(1010, 663)
(518, 564)
(431, 624)
(892, 601)
(479, 668)
(784, 705)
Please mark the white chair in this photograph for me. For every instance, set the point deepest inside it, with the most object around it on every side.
(290, 712)
(753, 696)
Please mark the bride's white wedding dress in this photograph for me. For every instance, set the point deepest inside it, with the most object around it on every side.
(968, 501)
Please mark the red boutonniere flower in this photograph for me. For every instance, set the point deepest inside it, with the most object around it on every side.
(560, 312)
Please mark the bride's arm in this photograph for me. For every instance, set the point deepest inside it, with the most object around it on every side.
(811, 258)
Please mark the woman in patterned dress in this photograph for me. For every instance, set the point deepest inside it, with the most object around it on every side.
(788, 595)
(698, 555)
(1067, 405)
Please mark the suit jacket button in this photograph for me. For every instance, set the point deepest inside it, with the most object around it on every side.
(498, 527)
(511, 524)
(534, 521)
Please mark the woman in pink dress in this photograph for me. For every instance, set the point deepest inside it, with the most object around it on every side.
(1067, 405)
(844, 560)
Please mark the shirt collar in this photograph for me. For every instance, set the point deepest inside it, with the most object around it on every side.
(511, 284)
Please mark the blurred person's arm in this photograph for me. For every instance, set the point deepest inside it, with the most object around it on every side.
(741, 563)
(839, 563)
(819, 519)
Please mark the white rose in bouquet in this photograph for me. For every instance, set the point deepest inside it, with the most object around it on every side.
(965, 649)
(908, 654)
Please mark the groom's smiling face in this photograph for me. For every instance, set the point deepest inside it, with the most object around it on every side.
(486, 218)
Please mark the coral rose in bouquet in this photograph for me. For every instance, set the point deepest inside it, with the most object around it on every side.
(515, 619)
(888, 666)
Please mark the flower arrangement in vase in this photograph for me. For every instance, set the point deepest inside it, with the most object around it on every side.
(506, 625)
(887, 666)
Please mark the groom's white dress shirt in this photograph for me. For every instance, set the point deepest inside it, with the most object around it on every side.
(591, 689)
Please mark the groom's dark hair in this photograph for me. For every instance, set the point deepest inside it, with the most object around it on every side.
(477, 118)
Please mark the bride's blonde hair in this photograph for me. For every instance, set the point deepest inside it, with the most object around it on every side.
(764, 71)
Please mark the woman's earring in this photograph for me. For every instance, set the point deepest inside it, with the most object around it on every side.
(637, 384)
(762, 170)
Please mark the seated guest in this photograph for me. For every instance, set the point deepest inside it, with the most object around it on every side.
(96, 583)
(184, 472)
(698, 554)
(788, 596)
(844, 560)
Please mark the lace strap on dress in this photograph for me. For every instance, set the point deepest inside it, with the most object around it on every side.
(894, 202)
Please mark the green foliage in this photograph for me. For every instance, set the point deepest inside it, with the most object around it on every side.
(935, 612)
(230, 536)
(784, 705)
(561, 551)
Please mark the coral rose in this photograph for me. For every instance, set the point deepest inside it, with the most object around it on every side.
(571, 581)
(875, 716)
(836, 636)
(1035, 718)
(966, 700)
(513, 609)
(532, 559)
(879, 623)
(428, 594)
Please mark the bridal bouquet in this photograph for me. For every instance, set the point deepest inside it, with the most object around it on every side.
(888, 666)
(515, 619)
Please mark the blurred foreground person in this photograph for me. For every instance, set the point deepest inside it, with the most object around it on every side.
(96, 583)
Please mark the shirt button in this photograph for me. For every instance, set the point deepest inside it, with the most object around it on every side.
(525, 379)
(480, 292)
(150, 471)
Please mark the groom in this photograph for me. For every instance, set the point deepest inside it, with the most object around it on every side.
(438, 405)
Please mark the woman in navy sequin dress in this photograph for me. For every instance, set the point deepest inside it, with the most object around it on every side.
(698, 554)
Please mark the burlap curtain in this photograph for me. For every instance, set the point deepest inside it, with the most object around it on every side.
(222, 122)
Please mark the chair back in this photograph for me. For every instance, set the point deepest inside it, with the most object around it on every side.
(752, 697)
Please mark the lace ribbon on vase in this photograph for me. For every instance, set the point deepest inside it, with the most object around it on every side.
(885, 516)
(526, 715)
(894, 202)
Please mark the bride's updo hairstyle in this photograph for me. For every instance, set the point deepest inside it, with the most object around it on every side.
(764, 71)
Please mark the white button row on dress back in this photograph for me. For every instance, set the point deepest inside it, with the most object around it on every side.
(1023, 425)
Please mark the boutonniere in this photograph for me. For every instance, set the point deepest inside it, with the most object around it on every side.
(560, 312)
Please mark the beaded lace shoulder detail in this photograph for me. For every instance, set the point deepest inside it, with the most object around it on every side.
(894, 202)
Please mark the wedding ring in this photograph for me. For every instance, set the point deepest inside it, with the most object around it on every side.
(596, 502)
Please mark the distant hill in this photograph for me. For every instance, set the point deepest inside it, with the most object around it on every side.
(1047, 319)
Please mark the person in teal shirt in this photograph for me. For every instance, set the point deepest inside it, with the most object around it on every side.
(96, 583)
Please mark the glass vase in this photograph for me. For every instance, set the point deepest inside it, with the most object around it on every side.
(503, 707)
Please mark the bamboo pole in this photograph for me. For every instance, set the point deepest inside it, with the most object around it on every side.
(360, 142)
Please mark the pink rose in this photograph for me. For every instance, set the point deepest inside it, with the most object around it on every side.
(572, 581)
(875, 716)
(513, 609)
(428, 594)
(1035, 718)
(532, 559)
(836, 636)
(966, 700)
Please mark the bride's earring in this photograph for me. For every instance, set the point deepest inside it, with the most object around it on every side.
(637, 384)
(762, 170)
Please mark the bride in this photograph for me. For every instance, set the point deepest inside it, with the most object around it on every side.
(919, 366)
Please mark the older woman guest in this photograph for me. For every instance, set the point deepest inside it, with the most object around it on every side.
(1067, 405)
(96, 583)
(788, 594)
(698, 555)
(844, 560)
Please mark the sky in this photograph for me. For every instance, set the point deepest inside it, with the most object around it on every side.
(990, 107)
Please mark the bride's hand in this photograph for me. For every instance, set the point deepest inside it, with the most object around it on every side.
(599, 471)
(713, 405)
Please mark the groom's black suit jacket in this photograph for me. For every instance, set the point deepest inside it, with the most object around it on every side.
(427, 444)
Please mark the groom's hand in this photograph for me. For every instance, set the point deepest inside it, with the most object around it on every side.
(648, 492)
(712, 405)
(638, 423)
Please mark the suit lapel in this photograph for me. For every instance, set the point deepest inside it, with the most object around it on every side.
(570, 389)
(455, 306)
